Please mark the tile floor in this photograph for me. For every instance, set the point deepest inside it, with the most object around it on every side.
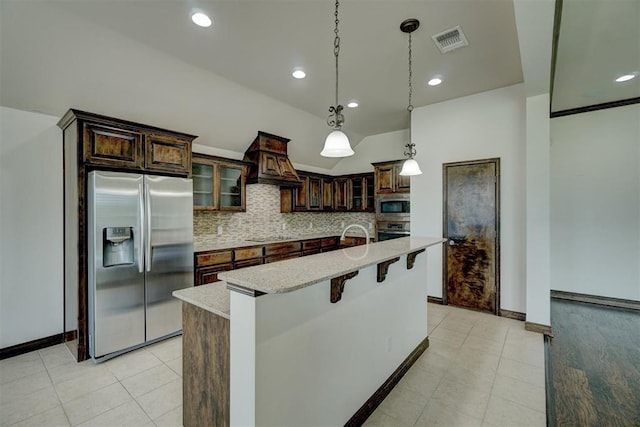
(479, 370)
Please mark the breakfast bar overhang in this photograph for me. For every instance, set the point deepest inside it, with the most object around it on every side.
(317, 340)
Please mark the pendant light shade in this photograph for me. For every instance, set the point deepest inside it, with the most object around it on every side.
(337, 145)
(410, 166)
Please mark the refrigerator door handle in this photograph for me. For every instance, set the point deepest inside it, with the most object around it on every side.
(147, 243)
(141, 243)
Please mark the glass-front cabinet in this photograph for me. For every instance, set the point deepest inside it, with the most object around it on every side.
(362, 192)
(202, 176)
(218, 184)
(232, 188)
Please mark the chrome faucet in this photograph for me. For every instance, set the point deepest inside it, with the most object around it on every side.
(344, 232)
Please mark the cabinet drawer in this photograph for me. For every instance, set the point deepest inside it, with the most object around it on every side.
(353, 241)
(210, 258)
(109, 146)
(165, 153)
(311, 244)
(329, 241)
(247, 253)
(311, 251)
(282, 248)
(247, 262)
(275, 258)
(210, 274)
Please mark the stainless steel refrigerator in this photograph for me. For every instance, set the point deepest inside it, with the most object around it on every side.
(140, 251)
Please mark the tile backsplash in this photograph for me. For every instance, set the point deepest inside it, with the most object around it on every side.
(264, 219)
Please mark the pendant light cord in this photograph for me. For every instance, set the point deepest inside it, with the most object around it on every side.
(336, 46)
(410, 107)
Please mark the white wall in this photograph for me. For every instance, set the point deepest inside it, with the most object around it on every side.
(490, 124)
(31, 251)
(291, 351)
(595, 203)
(374, 148)
(538, 211)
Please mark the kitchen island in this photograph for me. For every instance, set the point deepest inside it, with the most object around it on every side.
(318, 340)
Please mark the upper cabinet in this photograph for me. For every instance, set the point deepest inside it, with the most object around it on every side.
(219, 184)
(388, 178)
(324, 193)
(362, 192)
(315, 194)
(109, 143)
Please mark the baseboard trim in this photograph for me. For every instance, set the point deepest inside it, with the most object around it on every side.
(538, 327)
(383, 391)
(516, 315)
(435, 300)
(596, 299)
(550, 391)
(27, 347)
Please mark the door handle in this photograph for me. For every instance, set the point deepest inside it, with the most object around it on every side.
(148, 253)
(141, 226)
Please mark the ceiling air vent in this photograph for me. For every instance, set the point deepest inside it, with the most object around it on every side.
(450, 39)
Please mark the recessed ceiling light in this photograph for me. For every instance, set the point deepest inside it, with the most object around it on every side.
(201, 19)
(434, 81)
(626, 77)
(299, 74)
(352, 104)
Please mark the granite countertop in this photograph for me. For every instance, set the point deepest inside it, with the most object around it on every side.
(292, 274)
(213, 297)
(205, 246)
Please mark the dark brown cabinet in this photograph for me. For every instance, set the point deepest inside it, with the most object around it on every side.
(96, 142)
(388, 179)
(314, 195)
(281, 251)
(165, 153)
(112, 143)
(341, 193)
(219, 184)
(208, 264)
(362, 193)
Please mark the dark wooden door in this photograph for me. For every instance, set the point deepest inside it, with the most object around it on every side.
(471, 226)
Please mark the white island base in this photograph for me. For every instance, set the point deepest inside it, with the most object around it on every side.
(298, 359)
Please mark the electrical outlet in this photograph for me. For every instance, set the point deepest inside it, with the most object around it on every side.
(310, 225)
(284, 226)
(342, 224)
(370, 226)
(219, 230)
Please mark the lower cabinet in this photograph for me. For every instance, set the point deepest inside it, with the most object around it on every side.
(209, 274)
(281, 251)
(208, 264)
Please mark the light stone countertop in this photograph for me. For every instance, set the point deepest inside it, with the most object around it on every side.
(205, 246)
(213, 297)
(297, 273)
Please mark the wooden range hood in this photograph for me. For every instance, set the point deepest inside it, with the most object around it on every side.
(269, 162)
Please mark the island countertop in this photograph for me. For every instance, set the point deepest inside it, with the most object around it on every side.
(293, 274)
(213, 297)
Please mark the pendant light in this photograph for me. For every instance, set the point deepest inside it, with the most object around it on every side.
(337, 143)
(410, 166)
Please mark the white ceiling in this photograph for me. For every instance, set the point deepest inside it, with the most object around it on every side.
(599, 40)
(257, 43)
